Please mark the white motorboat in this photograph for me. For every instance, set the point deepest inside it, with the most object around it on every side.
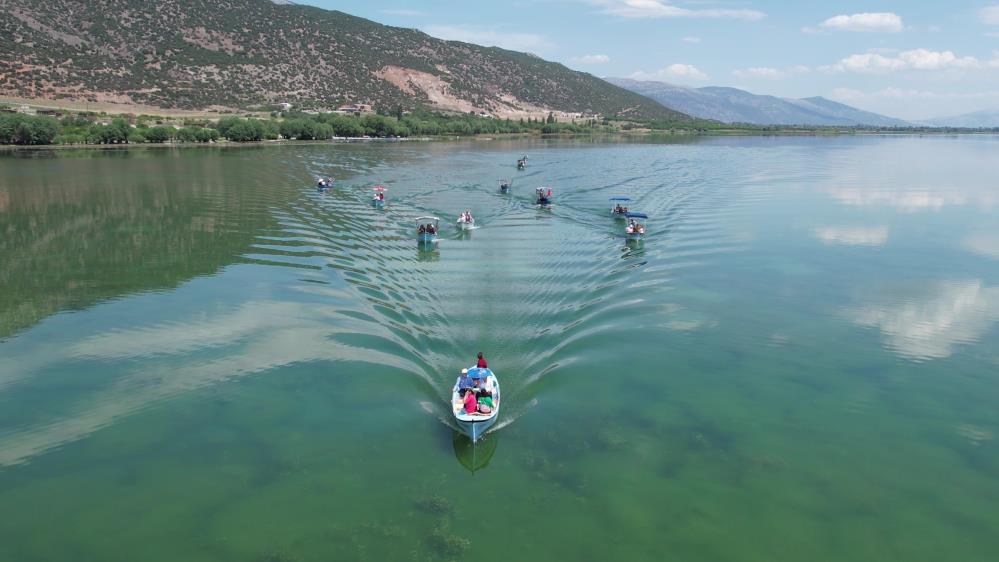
(475, 425)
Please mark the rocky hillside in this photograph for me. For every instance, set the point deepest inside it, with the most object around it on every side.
(195, 54)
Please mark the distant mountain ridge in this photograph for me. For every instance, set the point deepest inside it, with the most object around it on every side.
(732, 105)
(984, 119)
(197, 54)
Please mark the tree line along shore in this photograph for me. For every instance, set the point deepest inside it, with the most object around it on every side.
(88, 128)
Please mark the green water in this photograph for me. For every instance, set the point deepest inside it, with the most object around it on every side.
(202, 358)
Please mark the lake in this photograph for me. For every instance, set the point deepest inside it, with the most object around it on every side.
(202, 358)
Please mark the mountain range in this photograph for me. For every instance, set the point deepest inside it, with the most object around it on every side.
(198, 54)
(731, 105)
(974, 120)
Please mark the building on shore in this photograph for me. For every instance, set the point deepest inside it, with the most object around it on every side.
(354, 108)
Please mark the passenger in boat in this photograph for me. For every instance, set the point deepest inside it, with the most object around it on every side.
(381, 196)
(470, 402)
(465, 382)
(431, 229)
(421, 230)
(482, 362)
(482, 387)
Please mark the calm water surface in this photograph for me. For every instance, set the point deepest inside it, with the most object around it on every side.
(204, 359)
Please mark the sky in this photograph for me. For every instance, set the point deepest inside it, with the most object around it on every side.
(913, 60)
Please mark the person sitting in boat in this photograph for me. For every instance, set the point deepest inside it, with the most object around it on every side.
(381, 196)
(465, 382)
(421, 230)
(470, 402)
(483, 387)
(431, 229)
(482, 364)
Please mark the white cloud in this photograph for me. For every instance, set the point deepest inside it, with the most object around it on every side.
(759, 72)
(691, 39)
(880, 21)
(915, 59)
(769, 72)
(985, 244)
(591, 59)
(663, 9)
(673, 71)
(528, 42)
(853, 235)
(950, 314)
(990, 14)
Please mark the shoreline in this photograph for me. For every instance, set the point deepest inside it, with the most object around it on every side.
(636, 134)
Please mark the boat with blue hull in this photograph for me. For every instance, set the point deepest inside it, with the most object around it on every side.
(505, 186)
(427, 230)
(475, 425)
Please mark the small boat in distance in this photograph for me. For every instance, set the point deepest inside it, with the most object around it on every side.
(522, 163)
(619, 207)
(544, 197)
(427, 229)
(636, 227)
(378, 199)
(475, 425)
(505, 185)
(324, 184)
(465, 220)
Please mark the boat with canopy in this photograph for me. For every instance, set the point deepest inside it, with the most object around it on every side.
(619, 207)
(635, 230)
(475, 425)
(427, 229)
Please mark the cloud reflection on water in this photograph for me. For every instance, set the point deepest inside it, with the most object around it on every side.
(260, 336)
(954, 313)
(983, 244)
(853, 235)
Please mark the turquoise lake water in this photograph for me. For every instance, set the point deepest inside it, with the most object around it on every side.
(202, 358)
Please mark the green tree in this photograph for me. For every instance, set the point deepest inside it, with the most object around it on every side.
(225, 123)
(187, 134)
(120, 130)
(159, 133)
